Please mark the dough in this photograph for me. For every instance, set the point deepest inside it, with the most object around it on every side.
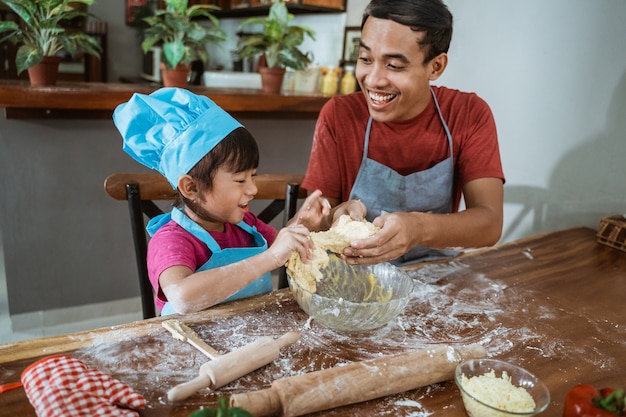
(335, 239)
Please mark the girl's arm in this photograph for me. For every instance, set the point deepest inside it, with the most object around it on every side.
(190, 291)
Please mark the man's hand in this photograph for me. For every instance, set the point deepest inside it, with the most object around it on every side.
(396, 236)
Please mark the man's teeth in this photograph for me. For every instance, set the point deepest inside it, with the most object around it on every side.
(381, 97)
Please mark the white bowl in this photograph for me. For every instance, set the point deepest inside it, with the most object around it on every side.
(519, 377)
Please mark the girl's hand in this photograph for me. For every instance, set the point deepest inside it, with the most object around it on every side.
(314, 212)
(289, 239)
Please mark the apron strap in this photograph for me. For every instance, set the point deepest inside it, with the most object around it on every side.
(366, 144)
(443, 122)
(195, 229)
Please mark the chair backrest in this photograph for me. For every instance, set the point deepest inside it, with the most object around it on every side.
(142, 190)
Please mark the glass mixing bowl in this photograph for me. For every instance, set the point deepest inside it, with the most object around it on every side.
(355, 298)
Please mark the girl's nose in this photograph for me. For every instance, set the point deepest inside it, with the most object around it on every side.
(252, 188)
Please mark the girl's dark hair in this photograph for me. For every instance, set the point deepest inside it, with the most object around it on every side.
(237, 152)
(429, 16)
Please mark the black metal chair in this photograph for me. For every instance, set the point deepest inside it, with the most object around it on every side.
(142, 190)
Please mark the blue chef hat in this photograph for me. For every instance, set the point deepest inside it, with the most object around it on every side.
(171, 129)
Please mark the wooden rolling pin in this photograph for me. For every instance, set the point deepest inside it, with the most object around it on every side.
(357, 382)
(226, 368)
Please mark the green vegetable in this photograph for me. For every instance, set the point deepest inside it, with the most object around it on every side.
(222, 410)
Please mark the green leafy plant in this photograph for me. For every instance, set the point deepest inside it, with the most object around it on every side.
(279, 40)
(41, 32)
(222, 410)
(182, 38)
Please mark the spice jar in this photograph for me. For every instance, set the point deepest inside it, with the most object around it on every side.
(330, 81)
(348, 81)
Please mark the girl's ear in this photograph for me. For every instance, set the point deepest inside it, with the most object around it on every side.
(437, 65)
(187, 187)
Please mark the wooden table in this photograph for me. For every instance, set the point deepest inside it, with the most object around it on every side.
(551, 303)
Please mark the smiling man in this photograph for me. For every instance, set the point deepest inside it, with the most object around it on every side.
(403, 152)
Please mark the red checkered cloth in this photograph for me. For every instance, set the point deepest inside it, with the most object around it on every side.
(63, 386)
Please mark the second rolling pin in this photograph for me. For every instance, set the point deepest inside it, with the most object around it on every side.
(227, 368)
(356, 382)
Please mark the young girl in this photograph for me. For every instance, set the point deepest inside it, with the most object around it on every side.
(209, 248)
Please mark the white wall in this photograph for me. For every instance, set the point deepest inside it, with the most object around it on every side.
(554, 74)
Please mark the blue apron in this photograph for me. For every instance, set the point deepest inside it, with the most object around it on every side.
(219, 257)
(383, 190)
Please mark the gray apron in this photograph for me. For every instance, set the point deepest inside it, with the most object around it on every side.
(383, 191)
(219, 257)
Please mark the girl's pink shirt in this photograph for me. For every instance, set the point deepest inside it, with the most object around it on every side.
(172, 245)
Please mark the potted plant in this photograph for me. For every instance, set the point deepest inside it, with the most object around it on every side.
(182, 38)
(278, 44)
(41, 34)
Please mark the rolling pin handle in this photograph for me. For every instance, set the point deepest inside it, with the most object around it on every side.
(287, 339)
(261, 403)
(187, 389)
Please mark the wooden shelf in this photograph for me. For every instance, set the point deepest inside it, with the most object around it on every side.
(76, 100)
(247, 8)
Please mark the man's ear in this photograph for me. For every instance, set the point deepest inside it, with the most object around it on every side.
(438, 65)
(187, 187)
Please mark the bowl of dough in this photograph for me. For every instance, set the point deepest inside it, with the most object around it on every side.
(493, 388)
(347, 298)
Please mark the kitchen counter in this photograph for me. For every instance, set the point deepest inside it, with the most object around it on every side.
(549, 303)
(75, 100)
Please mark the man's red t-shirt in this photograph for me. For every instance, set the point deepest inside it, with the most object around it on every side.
(407, 147)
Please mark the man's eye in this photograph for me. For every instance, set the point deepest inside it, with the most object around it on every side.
(395, 67)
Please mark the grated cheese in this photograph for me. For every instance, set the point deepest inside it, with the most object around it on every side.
(499, 393)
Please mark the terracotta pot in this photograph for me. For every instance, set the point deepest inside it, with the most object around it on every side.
(175, 77)
(45, 73)
(272, 79)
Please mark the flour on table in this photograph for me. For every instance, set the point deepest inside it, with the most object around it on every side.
(451, 304)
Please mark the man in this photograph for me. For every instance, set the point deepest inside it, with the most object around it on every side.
(402, 152)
